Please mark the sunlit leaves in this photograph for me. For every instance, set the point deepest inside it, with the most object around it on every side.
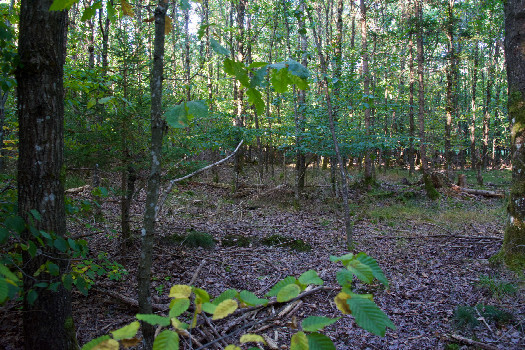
(93, 343)
(310, 277)
(299, 341)
(59, 5)
(154, 320)
(127, 10)
(180, 291)
(224, 309)
(218, 48)
(288, 292)
(282, 283)
(166, 340)
(126, 332)
(91, 11)
(251, 299)
(168, 24)
(252, 338)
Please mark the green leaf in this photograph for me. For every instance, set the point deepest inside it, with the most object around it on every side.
(227, 294)
(369, 316)
(280, 80)
(111, 12)
(31, 249)
(237, 69)
(90, 12)
(36, 214)
(4, 235)
(185, 5)
(218, 48)
(317, 341)
(59, 5)
(93, 343)
(316, 323)
(197, 109)
(4, 290)
(288, 292)
(374, 266)
(344, 277)
(178, 306)
(252, 338)
(258, 76)
(299, 341)
(32, 295)
(209, 308)
(67, 280)
(360, 270)
(154, 320)
(126, 332)
(251, 299)
(344, 259)
(60, 244)
(7, 273)
(166, 340)
(310, 277)
(224, 309)
(105, 100)
(53, 269)
(275, 289)
(255, 98)
(258, 64)
(201, 296)
(15, 223)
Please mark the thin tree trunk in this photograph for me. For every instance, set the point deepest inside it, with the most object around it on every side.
(451, 84)
(369, 176)
(412, 130)
(486, 107)
(473, 154)
(342, 172)
(157, 127)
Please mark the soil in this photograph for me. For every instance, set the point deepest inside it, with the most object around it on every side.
(432, 269)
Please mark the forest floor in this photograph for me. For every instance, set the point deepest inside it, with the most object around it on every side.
(435, 254)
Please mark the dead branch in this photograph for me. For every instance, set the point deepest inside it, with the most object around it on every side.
(484, 193)
(471, 342)
(129, 301)
(436, 236)
(196, 274)
(174, 181)
(78, 189)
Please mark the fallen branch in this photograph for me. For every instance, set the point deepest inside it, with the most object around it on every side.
(78, 189)
(484, 193)
(174, 181)
(471, 342)
(436, 236)
(130, 301)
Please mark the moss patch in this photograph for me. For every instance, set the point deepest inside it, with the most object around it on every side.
(283, 241)
(236, 241)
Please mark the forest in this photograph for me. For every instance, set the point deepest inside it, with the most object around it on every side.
(280, 174)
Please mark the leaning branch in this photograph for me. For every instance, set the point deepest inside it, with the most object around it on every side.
(172, 182)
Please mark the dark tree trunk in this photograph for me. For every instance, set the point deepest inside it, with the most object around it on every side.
(412, 130)
(514, 242)
(369, 172)
(157, 128)
(42, 48)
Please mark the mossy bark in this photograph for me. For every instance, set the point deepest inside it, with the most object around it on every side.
(514, 242)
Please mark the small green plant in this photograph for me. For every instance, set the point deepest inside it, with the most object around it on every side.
(160, 289)
(283, 241)
(236, 241)
(366, 313)
(498, 288)
(465, 317)
(196, 239)
(494, 314)
(452, 346)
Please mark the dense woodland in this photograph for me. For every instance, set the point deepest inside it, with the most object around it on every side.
(177, 162)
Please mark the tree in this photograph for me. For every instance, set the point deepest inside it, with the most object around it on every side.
(514, 241)
(150, 215)
(42, 48)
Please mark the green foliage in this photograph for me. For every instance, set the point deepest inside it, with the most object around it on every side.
(181, 115)
(195, 239)
(283, 241)
(236, 241)
(497, 287)
(364, 310)
(467, 317)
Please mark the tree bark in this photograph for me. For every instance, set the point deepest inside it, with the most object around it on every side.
(451, 84)
(42, 48)
(369, 176)
(157, 128)
(514, 241)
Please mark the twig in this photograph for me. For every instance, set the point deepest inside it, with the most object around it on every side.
(196, 274)
(128, 300)
(484, 321)
(472, 342)
(172, 182)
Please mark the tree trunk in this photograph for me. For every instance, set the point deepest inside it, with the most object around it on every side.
(473, 155)
(412, 130)
(342, 172)
(486, 107)
(157, 127)
(369, 176)
(42, 49)
(451, 84)
(514, 242)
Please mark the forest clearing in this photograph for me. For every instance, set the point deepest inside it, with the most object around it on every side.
(252, 175)
(437, 256)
